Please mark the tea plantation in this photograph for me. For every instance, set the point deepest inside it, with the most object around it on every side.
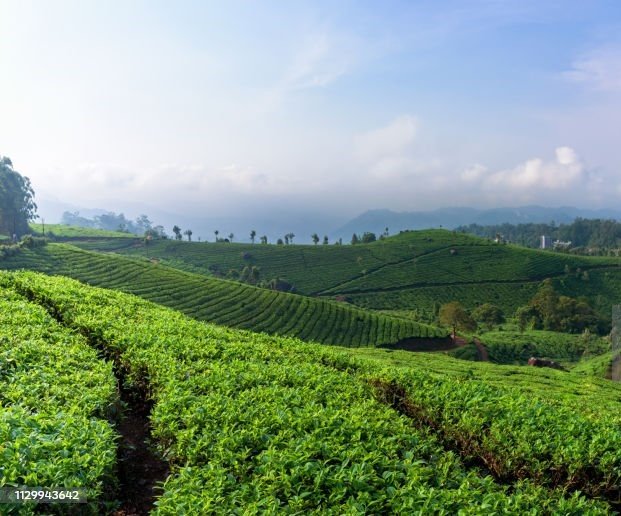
(254, 424)
(57, 399)
(412, 270)
(224, 302)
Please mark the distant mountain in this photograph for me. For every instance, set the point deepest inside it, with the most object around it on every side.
(377, 220)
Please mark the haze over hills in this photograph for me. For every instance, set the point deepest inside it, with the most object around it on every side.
(377, 220)
(275, 222)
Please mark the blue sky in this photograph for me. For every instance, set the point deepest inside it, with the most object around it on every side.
(221, 108)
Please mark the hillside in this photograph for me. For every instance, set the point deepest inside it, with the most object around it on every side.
(413, 270)
(377, 220)
(63, 231)
(224, 302)
(262, 424)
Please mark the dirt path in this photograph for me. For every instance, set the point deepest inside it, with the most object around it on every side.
(481, 350)
(140, 469)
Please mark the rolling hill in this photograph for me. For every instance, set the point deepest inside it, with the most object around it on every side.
(412, 270)
(261, 424)
(224, 302)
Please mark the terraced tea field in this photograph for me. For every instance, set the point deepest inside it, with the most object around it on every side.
(225, 302)
(506, 347)
(258, 424)
(52, 434)
(413, 270)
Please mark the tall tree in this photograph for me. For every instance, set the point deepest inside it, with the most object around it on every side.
(17, 206)
(253, 234)
(188, 233)
(488, 314)
(177, 232)
(315, 238)
(231, 235)
(216, 233)
(325, 240)
(453, 314)
(264, 239)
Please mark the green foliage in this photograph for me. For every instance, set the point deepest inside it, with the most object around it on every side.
(260, 424)
(226, 302)
(588, 233)
(550, 311)
(61, 231)
(17, 206)
(488, 314)
(455, 316)
(55, 399)
(506, 347)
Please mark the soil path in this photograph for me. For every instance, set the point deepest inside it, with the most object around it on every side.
(140, 469)
(481, 350)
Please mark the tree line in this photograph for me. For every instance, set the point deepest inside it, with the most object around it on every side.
(594, 234)
(17, 206)
(546, 310)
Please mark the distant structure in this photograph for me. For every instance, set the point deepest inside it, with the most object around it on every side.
(546, 242)
(559, 244)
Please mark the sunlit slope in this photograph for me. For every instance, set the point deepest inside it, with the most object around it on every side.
(224, 302)
(65, 231)
(252, 423)
(310, 268)
(412, 270)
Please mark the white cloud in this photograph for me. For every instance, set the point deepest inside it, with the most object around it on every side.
(318, 63)
(566, 171)
(599, 69)
(474, 173)
(392, 142)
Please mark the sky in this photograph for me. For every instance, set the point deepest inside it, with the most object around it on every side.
(234, 109)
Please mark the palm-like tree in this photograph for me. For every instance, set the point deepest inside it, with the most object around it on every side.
(253, 234)
(188, 233)
(217, 233)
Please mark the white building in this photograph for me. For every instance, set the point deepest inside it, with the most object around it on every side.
(546, 242)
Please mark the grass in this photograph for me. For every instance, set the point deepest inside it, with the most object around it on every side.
(68, 232)
(225, 302)
(258, 424)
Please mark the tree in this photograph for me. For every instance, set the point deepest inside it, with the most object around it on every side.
(315, 238)
(354, 239)
(156, 232)
(188, 233)
(453, 314)
(231, 235)
(368, 237)
(548, 310)
(488, 314)
(287, 239)
(279, 242)
(17, 206)
(325, 240)
(264, 239)
(142, 224)
(177, 232)
(253, 234)
(290, 235)
(216, 232)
